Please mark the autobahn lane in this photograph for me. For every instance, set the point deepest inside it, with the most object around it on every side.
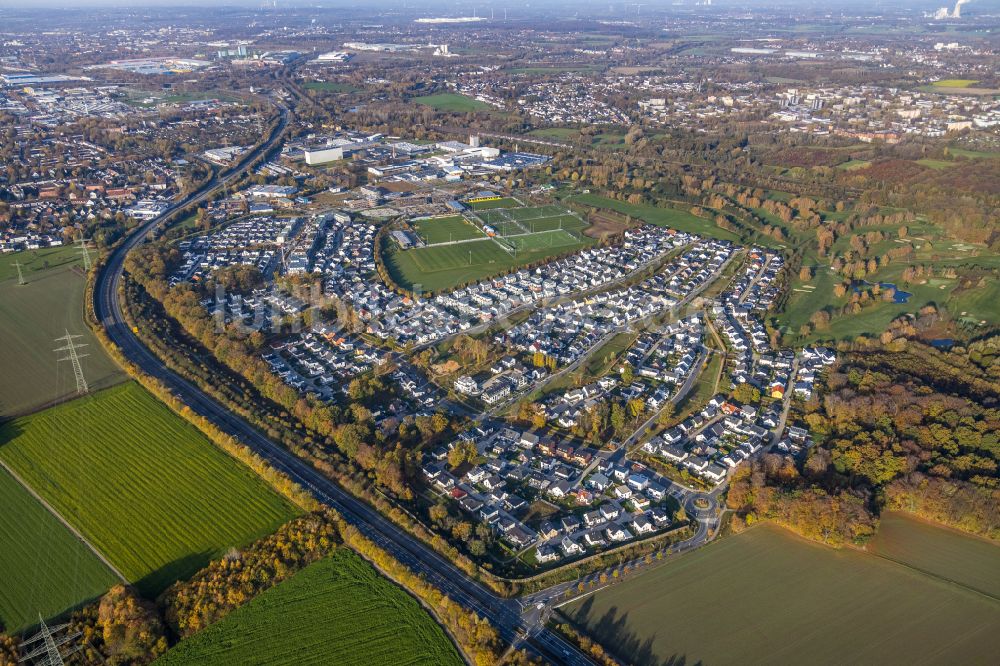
(503, 614)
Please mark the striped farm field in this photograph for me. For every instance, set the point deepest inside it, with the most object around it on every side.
(335, 611)
(45, 568)
(143, 486)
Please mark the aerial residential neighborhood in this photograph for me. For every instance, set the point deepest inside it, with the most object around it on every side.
(585, 335)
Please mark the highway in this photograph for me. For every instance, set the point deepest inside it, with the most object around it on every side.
(503, 614)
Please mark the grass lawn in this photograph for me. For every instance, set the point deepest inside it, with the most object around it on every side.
(851, 165)
(38, 261)
(937, 165)
(32, 316)
(978, 303)
(445, 229)
(939, 551)
(599, 364)
(766, 596)
(955, 83)
(974, 154)
(555, 133)
(45, 568)
(453, 102)
(663, 217)
(335, 611)
(146, 488)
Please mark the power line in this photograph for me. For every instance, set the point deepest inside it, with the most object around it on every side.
(47, 642)
(74, 358)
(81, 244)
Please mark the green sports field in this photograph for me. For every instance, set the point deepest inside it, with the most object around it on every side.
(335, 611)
(453, 102)
(533, 219)
(32, 316)
(45, 568)
(146, 488)
(527, 234)
(446, 229)
(489, 204)
(766, 596)
(543, 240)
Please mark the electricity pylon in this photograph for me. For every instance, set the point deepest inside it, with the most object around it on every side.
(20, 275)
(74, 358)
(46, 644)
(81, 244)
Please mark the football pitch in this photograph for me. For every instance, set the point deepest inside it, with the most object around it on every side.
(545, 239)
(435, 230)
(524, 235)
(487, 204)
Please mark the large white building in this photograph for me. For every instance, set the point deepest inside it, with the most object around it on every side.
(322, 155)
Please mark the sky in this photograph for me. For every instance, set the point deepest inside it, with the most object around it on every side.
(455, 8)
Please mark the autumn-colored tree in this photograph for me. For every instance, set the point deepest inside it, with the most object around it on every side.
(131, 628)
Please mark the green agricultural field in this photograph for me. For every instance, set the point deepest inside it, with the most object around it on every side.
(949, 554)
(145, 488)
(663, 217)
(453, 102)
(32, 316)
(335, 611)
(766, 596)
(446, 229)
(46, 569)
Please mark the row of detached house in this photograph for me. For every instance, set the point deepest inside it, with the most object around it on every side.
(519, 467)
(630, 504)
(717, 439)
(568, 330)
(323, 361)
(445, 314)
(17, 240)
(523, 467)
(661, 360)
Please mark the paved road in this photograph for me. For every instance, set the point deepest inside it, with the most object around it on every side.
(503, 614)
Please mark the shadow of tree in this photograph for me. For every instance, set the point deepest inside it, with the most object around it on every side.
(612, 632)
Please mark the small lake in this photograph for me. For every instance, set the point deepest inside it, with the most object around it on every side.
(900, 296)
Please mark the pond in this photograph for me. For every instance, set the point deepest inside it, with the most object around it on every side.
(900, 296)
